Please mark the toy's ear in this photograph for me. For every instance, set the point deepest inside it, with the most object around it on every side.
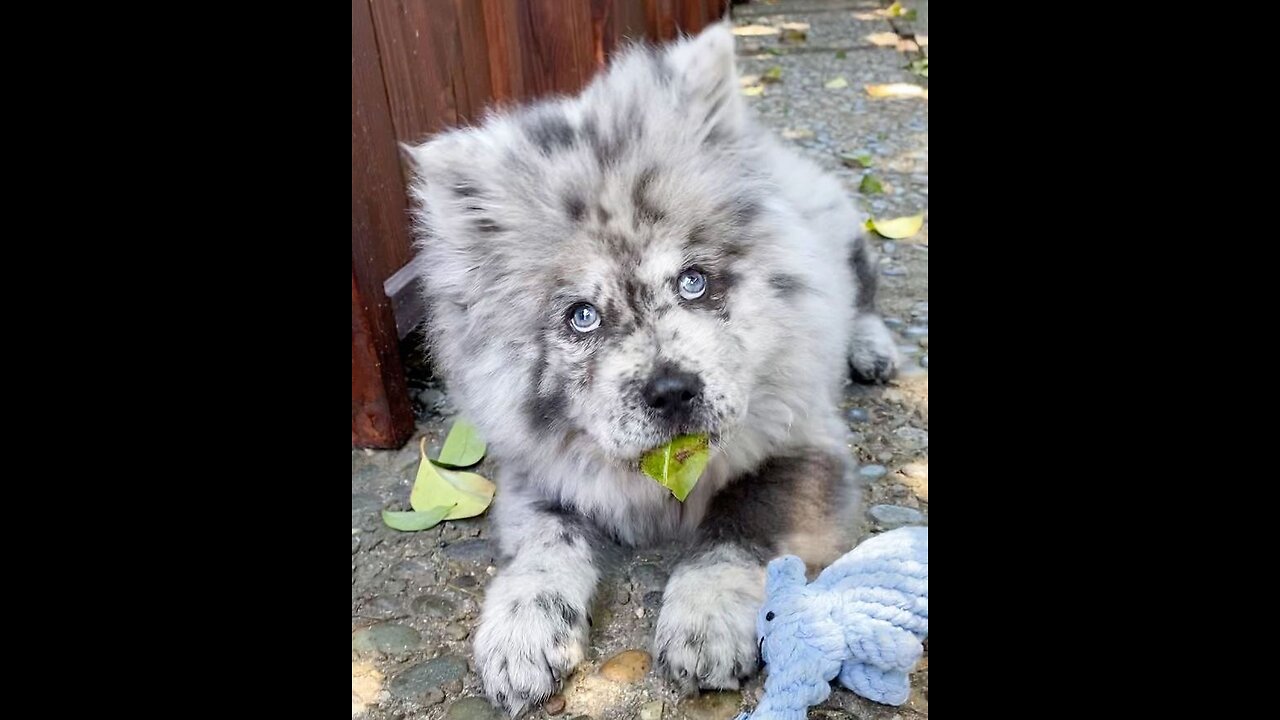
(785, 572)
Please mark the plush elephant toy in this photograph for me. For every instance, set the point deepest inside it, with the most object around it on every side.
(862, 621)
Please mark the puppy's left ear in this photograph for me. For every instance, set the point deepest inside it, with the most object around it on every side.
(705, 66)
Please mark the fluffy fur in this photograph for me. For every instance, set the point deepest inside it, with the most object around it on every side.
(606, 198)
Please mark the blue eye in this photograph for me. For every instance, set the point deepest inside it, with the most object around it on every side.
(692, 284)
(584, 318)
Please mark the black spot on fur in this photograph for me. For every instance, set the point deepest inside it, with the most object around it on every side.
(485, 225)
(603, 215)
(866, 275)
(646, 212)
(575, 206)
(550, 130)
(465, 189)
(606, 149)
(786, 285)
(742, 210)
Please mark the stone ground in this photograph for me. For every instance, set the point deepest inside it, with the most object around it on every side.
(415, 597)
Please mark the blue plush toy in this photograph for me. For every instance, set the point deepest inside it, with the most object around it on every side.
(862, 621)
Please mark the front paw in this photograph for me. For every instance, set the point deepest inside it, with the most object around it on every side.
(706, 634)
(525, 647)
(873, 354)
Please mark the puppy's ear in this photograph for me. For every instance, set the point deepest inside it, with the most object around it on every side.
(705, 67)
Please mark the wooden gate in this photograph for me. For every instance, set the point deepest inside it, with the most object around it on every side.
(420, 66)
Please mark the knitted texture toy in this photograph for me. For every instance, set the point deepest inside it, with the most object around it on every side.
(862, 620)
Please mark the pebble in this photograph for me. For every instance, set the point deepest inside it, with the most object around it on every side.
(434, 606)
(651, 710)
(454, 631)
(873, 472)
(649, 576)
(894, 515)
(712, 706)
(425, 676)
(916, 331)
(924, 361)
(387, 638)
(894, 270)
(555, 705)
(473, 708)
(627, 666)
(889, 248)
(434, 696)
(857, 415)
(473, 551)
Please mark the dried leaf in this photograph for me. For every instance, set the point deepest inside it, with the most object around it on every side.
(755, 30)
(840, 54)
(897, 228)
(772, 75)
(678, 465)
(753, 90)
(838, 83)
(870, 185)
(894, 10)
(897, 90)
(795, 31)
(463, 447)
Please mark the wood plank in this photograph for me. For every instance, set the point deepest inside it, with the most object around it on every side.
(380, 411)
(417, 41)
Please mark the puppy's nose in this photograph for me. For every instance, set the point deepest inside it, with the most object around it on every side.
(671, 389)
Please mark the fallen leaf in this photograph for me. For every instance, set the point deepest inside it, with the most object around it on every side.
(746, 80)
(909, 15)
(861, 160)
(412, 520)
(798, 134)
(920, 67)
(755, 30)
(840, 55)
(894, 10)
(773, 74)
(883, 39)
(870, 185)
(795, 32)
(466, 494)
(678, 465)
(897, 228)
(753, 91)
(463, 447)
(838, 83)
(897, 90)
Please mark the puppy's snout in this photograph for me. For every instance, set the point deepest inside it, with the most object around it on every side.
(671, 390)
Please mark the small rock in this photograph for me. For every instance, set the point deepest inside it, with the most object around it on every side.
(355, 544)
(916, 331)
(472, 708)
(924, 360)
(893, 322)
(873, 472)
(651, 710)
(894, 270)
(472, 551)
(857, 415)
(894, 516)
(412, 570)
(464, 582)
(649, 576)
(382, 606)
(555, 705)
(387, 638)
(434, 696)
(712, 706)
(454, 631)
(913, 436)
(434, 606)
(909, 349)
(627, 666)
(425, 676)
(889, 247)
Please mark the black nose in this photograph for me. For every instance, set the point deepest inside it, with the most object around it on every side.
(671, 389)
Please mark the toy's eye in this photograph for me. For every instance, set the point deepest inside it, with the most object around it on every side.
(769, 616)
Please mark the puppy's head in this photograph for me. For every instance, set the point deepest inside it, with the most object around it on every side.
(586, 260)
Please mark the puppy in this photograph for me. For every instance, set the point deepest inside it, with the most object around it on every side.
(606, 272)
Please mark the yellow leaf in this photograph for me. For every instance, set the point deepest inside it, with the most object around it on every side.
(468, 493)
(894, 10)
(897, 228)
(838, 83)
(753, 91)
(755, 30)
(897, 90)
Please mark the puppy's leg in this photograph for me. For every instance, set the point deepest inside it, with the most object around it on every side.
(534, 625)
(873, 354)
(706, 633)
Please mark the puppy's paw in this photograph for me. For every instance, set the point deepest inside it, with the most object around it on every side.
(525, 647)
(706, 634)
(873, 354)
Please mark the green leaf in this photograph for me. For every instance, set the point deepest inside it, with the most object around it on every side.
(894, 10)
(897, 228)
(772, 51)
(412, 521)
(837, 83)
(773, 74)
(840, 55)
(862, 160)
(909, 15)
(463, 447)
(678, 465)
(870, 185)
(920, 67)
(466, 494)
